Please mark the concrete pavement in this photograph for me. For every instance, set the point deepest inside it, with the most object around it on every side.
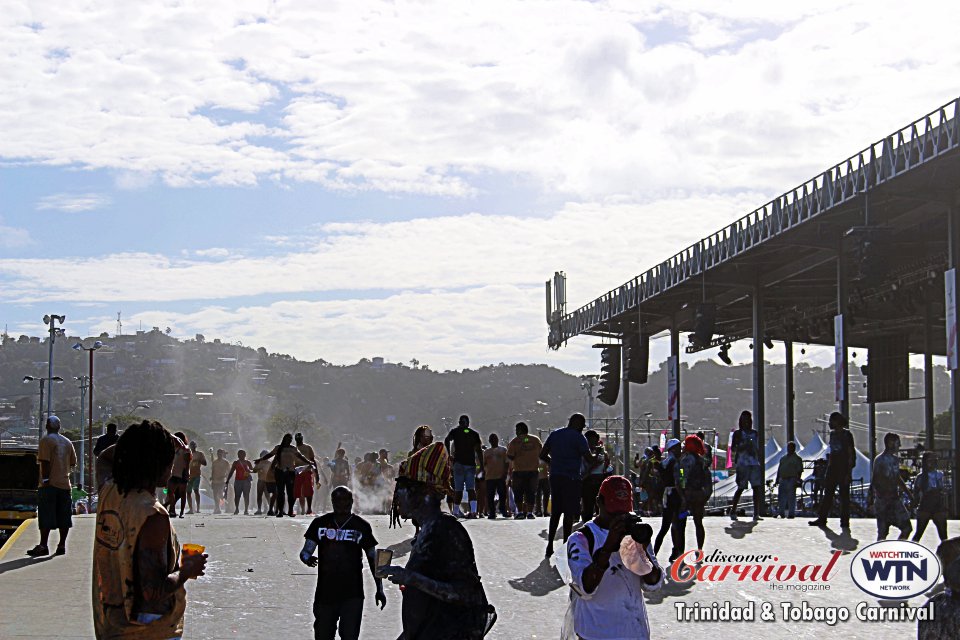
(256, 587)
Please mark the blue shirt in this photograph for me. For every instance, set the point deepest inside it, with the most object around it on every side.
(566, 447)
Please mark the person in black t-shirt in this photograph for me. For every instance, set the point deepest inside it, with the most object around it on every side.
(106, 440)
(341, 539)
(467, 454)
(840, 465)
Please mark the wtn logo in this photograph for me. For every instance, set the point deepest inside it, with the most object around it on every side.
(903, 570)
(895, 569)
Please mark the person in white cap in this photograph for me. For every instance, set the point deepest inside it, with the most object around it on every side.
(56, 456)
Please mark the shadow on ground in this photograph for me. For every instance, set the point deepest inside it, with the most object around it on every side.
(539, 582)
(669, 590)
(842, 541)
(739, 530)
(20, 563)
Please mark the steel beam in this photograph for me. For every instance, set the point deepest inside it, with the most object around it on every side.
(625, 398)
(953, 237)
(675, 352)
(759, 398)
(841, 361)
(928, 377)
(790, 395)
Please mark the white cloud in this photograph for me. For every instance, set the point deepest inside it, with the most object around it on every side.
(13, 237)
(73, 202)
(446, 253)
(213, 252)
(592, 99)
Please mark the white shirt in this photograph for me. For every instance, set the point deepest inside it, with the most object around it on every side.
(615, 610)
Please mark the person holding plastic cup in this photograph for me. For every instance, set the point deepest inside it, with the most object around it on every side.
(139, 571)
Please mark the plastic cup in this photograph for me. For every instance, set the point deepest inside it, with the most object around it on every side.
(190, 549)
(384, 556)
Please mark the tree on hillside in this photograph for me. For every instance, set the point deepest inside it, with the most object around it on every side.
(298, 420)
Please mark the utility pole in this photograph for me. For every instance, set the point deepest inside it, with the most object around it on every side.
(52, 320)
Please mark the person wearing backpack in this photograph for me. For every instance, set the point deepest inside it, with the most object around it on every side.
(746, 456)
(697, 483)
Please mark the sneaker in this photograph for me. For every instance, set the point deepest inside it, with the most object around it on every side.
(61, 551)
(258, 512)
(246, 513)
(39, 550)
(757, 518)
(529, 516)
(519, 516)
(733, 517)
(817, 523)
(471, 516)
(237, 512)
(492, 516)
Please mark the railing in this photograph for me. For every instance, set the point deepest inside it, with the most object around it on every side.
(918, 143)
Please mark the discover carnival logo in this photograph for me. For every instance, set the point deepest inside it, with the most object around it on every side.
(895, 569)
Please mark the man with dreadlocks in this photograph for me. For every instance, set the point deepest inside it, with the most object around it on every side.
(443, 597)
(138, 571)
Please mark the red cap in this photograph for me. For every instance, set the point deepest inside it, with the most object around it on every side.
(617, 494)
(694, 444)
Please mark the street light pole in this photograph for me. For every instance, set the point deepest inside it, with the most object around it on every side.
(83, 460)
(79, 347)
(52, 320)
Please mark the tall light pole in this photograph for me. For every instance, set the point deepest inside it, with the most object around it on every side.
(79, 347)
(52, 321)
(42, 382)
(586, 383)
(84, 381)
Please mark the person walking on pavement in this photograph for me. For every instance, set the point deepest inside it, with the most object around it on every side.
(443, 597)
(340, 468)
(218, 480)
(266, 484)
(746, 457)
(611, 566)
(106, 440)
(139, 568)
(340, 539)
(593, 475)
(241, 486)
(285, 457)
(464, 446)
(523, 452)
(887, 489)
(56, 456)
(197, 462)
(674, 502)
(180, 476)
(303, 484)
(697, 484)
(789, 472)
(565, 451)
(840, 464)
(495, 472)
(929, 491)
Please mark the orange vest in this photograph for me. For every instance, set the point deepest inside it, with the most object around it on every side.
(119, 520)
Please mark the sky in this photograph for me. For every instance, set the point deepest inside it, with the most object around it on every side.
(344, 180)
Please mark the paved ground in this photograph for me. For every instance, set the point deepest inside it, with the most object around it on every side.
(257, 588)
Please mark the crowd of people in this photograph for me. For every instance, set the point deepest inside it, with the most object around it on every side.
(141, 569)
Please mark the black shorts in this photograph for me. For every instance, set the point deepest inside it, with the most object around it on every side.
(54, 508)
(565, 495)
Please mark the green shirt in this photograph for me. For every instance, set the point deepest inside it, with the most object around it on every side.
(791, 466)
